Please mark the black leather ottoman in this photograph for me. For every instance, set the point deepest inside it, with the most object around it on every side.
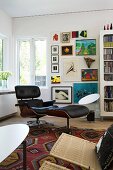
(70, 111)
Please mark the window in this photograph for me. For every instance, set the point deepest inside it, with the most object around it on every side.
(32, 62)
(3, 65)
(1, 54)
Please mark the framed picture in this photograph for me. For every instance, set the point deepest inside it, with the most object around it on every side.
(89, 74)
(54, 49)
(54, 58)
(71, 69)
(67, 50)
(55, 79)
(55, 68)
(82, 89)
(86, 47)
(55, 37)
(61, 94)
(65, 37)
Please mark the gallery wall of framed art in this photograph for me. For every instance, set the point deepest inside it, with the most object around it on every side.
(73, 64)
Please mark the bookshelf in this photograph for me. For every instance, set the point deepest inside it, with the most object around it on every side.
(106, 73)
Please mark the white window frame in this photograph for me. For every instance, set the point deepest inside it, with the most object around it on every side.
(5, 47)
(32, 51)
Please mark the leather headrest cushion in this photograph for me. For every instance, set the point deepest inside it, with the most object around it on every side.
(27, 91)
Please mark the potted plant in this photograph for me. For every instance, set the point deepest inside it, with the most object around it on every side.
(4, 75)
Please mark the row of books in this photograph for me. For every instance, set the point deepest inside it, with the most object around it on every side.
(108, 38)
(108, 91)
(108, 50)
(108, 77)
(108, 106)
(108, 56)
(108, 67)
(108, 44)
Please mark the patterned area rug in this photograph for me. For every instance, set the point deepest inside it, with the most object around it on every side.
(39, 143)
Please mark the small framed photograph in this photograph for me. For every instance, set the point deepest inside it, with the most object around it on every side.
(89, 74)
(54, 59)
(54, 49)
(55, 68)
(61, 94)
(67, 50)
(65, 37)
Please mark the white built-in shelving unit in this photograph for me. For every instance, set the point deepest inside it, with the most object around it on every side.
(106, 73)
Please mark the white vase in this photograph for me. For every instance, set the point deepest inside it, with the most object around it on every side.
(4, 84)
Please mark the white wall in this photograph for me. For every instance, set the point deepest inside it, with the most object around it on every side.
(6, 24)
(7, 101)
(6, 31)
(44, 26)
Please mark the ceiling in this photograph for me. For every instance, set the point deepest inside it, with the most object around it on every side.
(23, 8)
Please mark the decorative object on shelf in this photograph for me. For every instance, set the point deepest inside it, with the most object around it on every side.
(4, 75)
(86, 47)
(108, 27)
(89, 74)
(111, 27)
(55, 79)
(67, 50)
(89, 61)
(65, 37)
(61, 94)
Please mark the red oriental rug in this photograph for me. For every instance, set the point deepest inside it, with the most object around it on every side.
(39, 143)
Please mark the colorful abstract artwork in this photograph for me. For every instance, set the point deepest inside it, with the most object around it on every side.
(75, 34)
(55, 37)
(82, 89)
(55, 79)
(83, 34)
(86, 47)
(89, 74)
(67, 50)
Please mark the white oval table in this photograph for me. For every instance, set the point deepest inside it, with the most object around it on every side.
(11, 136)
(89, 98)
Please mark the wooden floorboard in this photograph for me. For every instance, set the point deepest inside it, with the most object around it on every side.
(75, 122)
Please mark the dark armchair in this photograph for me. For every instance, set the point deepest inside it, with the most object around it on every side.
(28, 97)
(31, 106)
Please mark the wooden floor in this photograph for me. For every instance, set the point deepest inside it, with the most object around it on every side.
(75, 122)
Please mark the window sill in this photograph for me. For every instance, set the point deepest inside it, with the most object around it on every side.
(6, 91)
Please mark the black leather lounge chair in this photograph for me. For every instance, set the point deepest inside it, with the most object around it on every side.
(31, 106)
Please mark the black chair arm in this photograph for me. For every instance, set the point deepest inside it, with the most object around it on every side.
(48, 103)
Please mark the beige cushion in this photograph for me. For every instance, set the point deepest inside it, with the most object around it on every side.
(77, 151)
(51, 166)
